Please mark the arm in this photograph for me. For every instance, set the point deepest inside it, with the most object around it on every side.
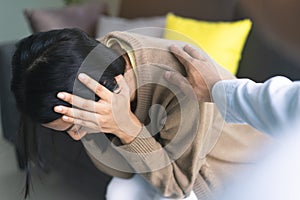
(171, 162)
(170, 159)
(270, 107)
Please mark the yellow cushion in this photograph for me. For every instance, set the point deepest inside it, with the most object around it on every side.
(223, 41)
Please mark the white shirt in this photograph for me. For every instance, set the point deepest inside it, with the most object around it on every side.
(272, 107)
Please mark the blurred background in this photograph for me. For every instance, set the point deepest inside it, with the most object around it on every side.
(277, 18)
(13, 23)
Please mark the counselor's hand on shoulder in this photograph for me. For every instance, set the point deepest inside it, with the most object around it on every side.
(202, 72)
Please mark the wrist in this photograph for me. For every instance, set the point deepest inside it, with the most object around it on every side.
(131, 132)
(126, 139)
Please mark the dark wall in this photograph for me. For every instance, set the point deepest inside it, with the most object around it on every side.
(273, 46)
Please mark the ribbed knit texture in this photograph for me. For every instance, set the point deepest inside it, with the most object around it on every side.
(208, 160)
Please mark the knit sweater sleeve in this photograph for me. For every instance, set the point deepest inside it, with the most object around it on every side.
(171, 159)
(168, 151)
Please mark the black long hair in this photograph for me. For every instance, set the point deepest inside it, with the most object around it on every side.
(46, 63)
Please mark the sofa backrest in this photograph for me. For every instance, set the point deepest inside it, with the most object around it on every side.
(262, 58)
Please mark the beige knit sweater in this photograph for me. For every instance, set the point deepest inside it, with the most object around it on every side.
(184, 145)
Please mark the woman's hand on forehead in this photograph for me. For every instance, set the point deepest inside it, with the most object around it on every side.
(111, 114)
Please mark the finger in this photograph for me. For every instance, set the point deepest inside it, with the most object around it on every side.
(188, 62)
(178, 80)
(184, 58)
(181, 82)
(193, 52)
(84, 104)
(123, 86)
(84, 123)
(174, 78)
(96, 87)
(82, 114)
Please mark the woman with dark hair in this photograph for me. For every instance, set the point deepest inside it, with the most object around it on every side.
(176, 147)
(39, 72)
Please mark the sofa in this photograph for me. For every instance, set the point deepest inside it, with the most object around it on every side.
(260, 60)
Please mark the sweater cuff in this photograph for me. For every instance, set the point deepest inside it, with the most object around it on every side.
(143, 153)
(143, 143)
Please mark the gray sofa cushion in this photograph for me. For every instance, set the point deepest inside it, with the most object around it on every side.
(9, 113)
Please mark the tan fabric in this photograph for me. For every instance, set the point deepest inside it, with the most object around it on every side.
(214, 151)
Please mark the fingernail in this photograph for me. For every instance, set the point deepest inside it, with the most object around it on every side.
(82, 76)
(58, 108)
(60, 95)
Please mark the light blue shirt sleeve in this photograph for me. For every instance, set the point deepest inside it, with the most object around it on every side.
(271, 107)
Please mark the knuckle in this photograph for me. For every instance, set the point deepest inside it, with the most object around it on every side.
(73, 113)
(98, 127)
(103, 111)
(106, 111)
(193, 62)
(102, 120)
(204, 59)
(77, 121)
(81, 115)
(81, 122)
(68, 111)
(85, 105)
(98, 88)
(70, 99)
